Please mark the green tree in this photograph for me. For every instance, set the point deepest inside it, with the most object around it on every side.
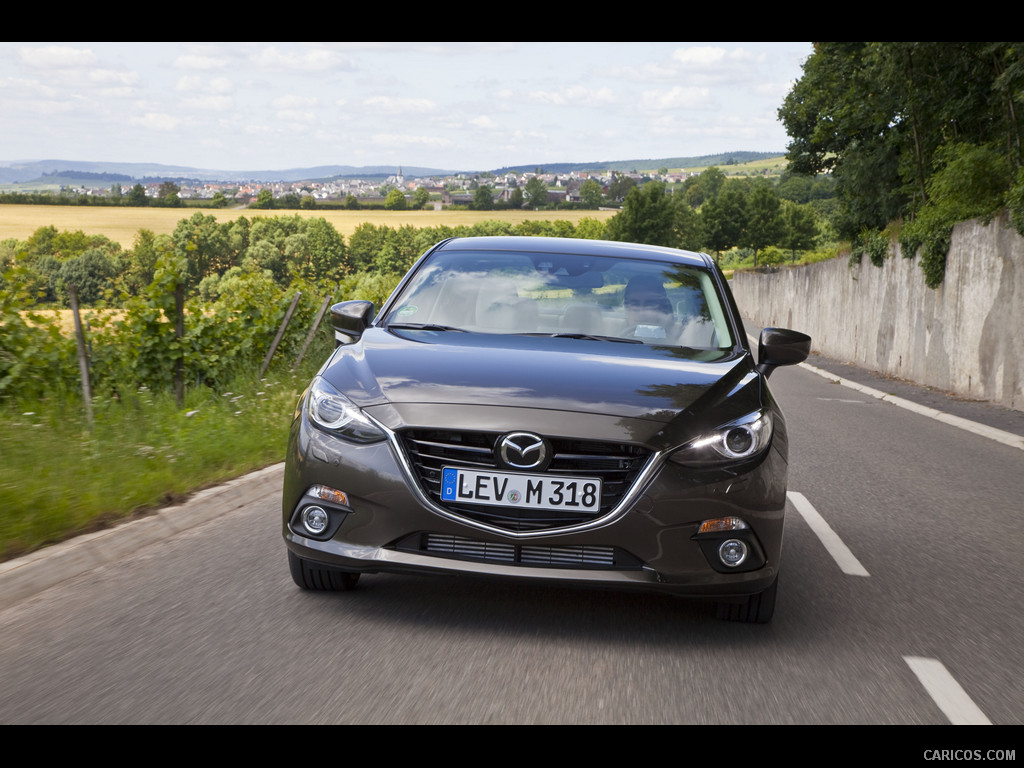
(724, 217)
(590, 193)
(619, 187)
(91, 273)
(395, 201)
(168, 195)
(764, 224)
(535, 193)
(483, 198)
(801, 228)
(137, 196)
(647, 216)
(420, 198)
(202, 242)
(264, 200)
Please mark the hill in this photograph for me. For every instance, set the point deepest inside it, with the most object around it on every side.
(70, 172)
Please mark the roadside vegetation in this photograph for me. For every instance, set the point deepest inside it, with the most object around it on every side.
(917, 136)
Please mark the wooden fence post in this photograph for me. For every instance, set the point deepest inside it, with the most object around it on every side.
(312, 331)
(179, 334)
(83, 358)
(280, 334)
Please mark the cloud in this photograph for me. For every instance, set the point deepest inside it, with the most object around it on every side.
(156, 121)
(199, 62)
(574, 95)
(391, 106)
(310, 61)
(678, 98)
(57, 57)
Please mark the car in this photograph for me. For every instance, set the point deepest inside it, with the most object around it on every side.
(550, 410)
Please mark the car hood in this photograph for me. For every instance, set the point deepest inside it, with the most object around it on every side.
(630, 381)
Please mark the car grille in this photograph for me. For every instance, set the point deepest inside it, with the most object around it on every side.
(616, 464)
(462, 548)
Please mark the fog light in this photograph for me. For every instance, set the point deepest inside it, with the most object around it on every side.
(732, 552)
(315, 520)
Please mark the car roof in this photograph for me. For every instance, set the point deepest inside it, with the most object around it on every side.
(575, 246)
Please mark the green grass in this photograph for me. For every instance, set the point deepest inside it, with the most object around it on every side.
(59, 478)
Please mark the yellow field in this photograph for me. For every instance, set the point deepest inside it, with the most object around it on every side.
(122, 224)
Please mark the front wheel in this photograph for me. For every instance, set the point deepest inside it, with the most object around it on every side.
(309, 576)
(757, 609)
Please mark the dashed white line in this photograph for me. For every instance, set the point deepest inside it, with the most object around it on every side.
(946, 692)
(841, 553)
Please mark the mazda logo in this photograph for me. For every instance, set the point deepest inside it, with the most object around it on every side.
(523, 450)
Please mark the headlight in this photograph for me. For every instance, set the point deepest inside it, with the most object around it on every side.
(735, 441)
(333, 412)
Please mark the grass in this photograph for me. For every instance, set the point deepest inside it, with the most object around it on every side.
(58, 478)
(122, 224)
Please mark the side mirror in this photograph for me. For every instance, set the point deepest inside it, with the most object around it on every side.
(780, 346)
(349, 319)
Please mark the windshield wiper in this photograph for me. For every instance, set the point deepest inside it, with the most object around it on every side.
(422, 327)
(589, 336)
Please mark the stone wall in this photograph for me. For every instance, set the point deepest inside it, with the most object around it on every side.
(967, 336)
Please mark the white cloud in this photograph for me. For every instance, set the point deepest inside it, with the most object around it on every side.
(677, 98)
(309, 61)
(391, 106)
(199, 62)
(57, 57)
(156, 121)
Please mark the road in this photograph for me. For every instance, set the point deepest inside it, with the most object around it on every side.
(900, 604)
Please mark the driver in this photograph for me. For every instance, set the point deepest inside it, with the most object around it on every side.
(648, 310)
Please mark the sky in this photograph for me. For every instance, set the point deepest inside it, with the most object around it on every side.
(453, 106)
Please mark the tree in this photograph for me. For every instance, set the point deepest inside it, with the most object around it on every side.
(801, 228)
(167, 195)
(764, 225)
(483, 198)
(647, 216)
(395, 201)
(137, 197)
(264, 200)
(877, 115)
(202, 242)
(420, 198)
(590, 193)
(619, 187)
(724, 217)
(536, 192)
(91, 273)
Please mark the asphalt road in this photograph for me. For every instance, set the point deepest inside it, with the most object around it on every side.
(900, 603)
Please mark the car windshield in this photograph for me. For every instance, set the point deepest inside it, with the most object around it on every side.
(610, 298)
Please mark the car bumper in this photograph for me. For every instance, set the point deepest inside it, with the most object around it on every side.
(653, 543)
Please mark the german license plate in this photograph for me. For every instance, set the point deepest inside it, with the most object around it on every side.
(504, 489)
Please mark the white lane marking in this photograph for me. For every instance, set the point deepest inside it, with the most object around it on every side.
(946, 692)
(841, 553)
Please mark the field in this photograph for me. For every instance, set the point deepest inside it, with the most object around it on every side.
(122, 224)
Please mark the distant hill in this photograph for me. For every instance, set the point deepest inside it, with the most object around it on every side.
(649, 164)
(94, 173)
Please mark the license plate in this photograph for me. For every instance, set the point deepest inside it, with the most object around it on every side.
(504, 489)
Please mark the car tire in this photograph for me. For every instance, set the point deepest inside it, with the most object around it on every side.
(757, 609)
(309, 576)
